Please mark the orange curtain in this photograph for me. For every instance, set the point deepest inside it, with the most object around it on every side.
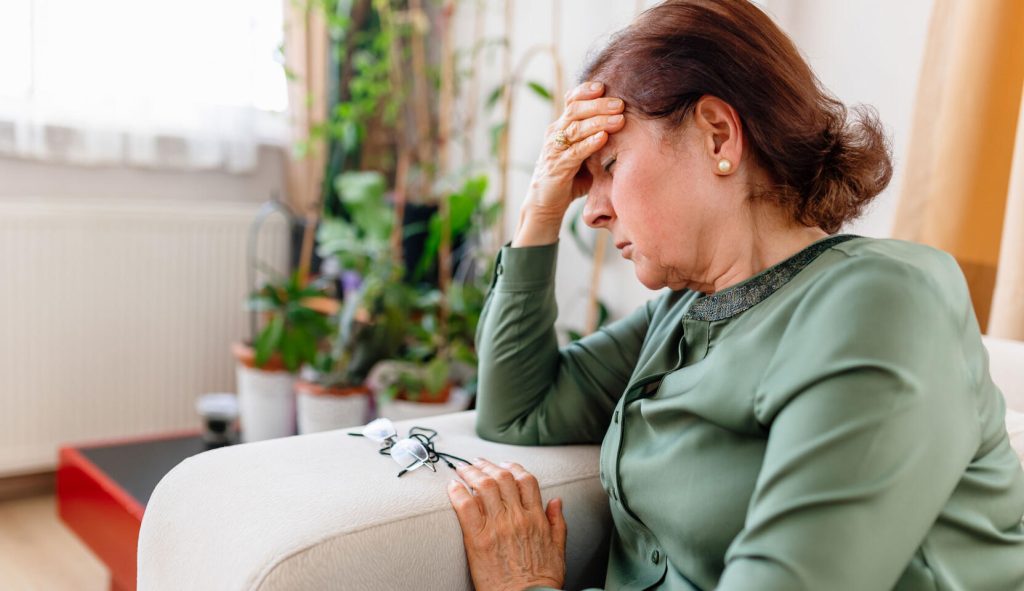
(957, 190)
(1008, 303)
(306, 47)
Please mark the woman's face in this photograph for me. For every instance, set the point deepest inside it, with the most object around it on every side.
(660, 202)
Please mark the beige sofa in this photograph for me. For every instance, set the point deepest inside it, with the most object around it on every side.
(326, 511)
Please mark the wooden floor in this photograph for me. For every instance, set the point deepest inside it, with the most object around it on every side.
(38, 552)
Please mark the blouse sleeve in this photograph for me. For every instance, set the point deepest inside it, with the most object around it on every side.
(871, 422)
(531, 392)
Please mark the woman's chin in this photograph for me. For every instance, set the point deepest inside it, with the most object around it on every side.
(649, 280)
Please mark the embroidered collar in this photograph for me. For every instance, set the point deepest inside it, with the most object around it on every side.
(737, 298)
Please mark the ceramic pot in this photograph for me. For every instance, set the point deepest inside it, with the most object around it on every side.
(398, 409)
(325, 409)
(266, 397)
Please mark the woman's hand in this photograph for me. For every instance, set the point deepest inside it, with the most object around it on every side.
(560, 175)
(512, 541)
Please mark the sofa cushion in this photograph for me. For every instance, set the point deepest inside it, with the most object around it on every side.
(326, 511)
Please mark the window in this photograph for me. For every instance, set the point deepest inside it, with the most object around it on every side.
(192, 84)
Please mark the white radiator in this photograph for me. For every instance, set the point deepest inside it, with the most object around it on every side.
(115, 315)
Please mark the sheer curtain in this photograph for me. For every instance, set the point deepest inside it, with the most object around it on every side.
(190, 84)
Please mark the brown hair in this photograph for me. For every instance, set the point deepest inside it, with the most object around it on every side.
(825, 167)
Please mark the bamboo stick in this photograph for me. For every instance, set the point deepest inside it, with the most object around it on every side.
(397, 230)
(395, 73)
(558, 90)
(473, 96)
(503, 144)
(445, 103)
(421, 90)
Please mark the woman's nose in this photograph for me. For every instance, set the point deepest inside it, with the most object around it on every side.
(597, 210)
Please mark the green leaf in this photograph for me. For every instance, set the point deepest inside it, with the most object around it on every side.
(574, 336)
(540, 90)
(496, 134)
(491, 214)
(437, 375)
(602, 313)
(290, 349)
(269, 339)
(361, 187)
(495, 96)
(461, 205)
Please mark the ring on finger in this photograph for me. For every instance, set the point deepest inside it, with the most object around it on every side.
(561, 140)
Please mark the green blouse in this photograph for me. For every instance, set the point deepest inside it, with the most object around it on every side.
(827, 424)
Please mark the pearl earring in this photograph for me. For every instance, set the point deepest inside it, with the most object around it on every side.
(724, 166)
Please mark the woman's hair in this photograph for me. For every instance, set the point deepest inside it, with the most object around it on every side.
(824, 166)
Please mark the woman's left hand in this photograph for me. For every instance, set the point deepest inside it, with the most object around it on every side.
(512, 541)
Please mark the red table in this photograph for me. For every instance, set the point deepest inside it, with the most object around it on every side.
(103, 488)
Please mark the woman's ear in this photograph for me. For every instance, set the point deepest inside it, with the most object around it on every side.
(720, 130)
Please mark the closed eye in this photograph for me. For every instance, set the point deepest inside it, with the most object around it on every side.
(608, 165)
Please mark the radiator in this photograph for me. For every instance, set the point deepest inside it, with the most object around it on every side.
(115, 316)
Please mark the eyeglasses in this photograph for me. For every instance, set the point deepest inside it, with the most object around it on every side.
(412, 452)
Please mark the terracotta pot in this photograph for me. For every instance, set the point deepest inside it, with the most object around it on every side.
(246, 355)
(322, 408)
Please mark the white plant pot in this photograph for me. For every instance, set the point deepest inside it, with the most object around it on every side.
(400, 410)
(324, 410)
(266, 403)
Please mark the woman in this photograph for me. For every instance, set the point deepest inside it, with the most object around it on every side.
(801, 409)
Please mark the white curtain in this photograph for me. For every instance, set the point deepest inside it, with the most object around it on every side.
(189, 84)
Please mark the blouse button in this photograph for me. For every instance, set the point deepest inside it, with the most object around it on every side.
(616, 417)
(655, 556)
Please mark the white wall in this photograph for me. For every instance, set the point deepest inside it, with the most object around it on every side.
(870, 52)
(865, 52)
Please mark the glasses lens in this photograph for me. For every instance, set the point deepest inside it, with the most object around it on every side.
(409, 454)
(379, 430)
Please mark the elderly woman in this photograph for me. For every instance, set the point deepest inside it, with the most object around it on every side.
(801, 409)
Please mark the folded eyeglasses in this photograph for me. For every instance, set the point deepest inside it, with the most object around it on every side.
(412, 452)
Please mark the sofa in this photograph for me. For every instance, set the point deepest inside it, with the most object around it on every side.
(326, 511)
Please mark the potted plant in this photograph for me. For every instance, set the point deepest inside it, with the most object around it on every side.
(435, 370)
(371, 321)
(266, 369)
(432, 371)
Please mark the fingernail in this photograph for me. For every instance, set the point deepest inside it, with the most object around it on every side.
(596, 86)
(478, 460)
(505, 464)
(596, 137)
(615, 104)
(614, 119)
(452, 484)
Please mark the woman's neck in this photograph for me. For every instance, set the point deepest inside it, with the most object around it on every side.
(741, 251)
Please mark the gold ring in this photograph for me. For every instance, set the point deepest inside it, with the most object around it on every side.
(561, 140)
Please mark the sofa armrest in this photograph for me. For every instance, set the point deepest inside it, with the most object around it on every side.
(326, 511)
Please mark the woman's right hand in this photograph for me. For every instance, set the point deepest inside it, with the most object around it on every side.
(560, 175)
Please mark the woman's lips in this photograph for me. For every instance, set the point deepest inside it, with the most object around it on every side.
(627, 250)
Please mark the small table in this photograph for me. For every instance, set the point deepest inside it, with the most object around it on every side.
(103, 488)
